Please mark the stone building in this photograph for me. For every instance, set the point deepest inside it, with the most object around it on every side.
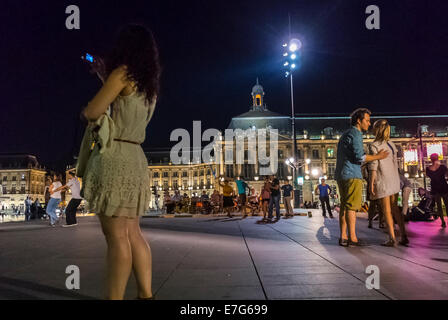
(317, 137)
(20, 176)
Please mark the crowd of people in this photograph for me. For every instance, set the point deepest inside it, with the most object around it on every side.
(245, 200)
(379, 166)
(116, 183)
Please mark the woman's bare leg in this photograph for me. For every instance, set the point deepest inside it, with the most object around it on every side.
(405, 201)
(399, 217)
(387, 214)
(119, 256)
(141, 258)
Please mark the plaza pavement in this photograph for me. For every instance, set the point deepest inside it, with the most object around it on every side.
(215, 257)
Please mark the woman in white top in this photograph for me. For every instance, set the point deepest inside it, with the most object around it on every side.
(55, 199)
(384, 181)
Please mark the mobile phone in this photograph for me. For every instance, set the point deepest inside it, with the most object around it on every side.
(88, 57)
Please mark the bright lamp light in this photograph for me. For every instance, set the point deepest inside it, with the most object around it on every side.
(294, 45)
(293, 56)
(307, 161)
(314, 172)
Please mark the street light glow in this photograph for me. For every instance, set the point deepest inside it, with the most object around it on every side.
(287, 161)
(294, 45)
(293, 65)
(293, 56)
(286, 63)
(307, 161)
(314, 172)
(286, 54)
(291, 159)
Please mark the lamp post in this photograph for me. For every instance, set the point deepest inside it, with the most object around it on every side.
(291, 57)
(295, 165)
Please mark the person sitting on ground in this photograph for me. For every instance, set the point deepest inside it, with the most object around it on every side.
(215, 201)
(253, 202)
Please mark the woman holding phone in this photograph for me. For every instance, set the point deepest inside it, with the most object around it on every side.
(116, 181)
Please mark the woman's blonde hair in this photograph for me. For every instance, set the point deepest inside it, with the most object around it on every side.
(381, 130)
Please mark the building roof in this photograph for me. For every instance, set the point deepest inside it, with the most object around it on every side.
(18, 161)
(403, 125)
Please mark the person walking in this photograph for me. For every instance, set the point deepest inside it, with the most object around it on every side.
(115, 181)
(324, 191)
(439, 188)
(75, 187)
(348, 174)
(384, 183)
(242, 186)
(55, 199)
(288, 194)
(274, 200)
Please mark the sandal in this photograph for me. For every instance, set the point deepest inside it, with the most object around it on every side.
(404, 241)
(389, 243)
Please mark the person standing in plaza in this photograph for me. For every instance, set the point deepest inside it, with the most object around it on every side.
(116, 183)
(288, 194)
(406, 189)
(242, 186)
(265, 198)
(27, 208)
(227, 197)
(36, 208)
(439, 188)
(384, 182)
(55, 199)
(274, 200)
(348, 174)
(324, 197)
(75, 187)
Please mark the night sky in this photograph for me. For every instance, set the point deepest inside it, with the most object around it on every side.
(212, 52)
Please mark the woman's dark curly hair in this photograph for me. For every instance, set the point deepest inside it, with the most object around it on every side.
(136, 49)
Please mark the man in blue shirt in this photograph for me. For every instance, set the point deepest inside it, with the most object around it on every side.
(348, 174)
(324, 197)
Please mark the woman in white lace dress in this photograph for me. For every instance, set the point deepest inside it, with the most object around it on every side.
(384, 181)
(116, 182)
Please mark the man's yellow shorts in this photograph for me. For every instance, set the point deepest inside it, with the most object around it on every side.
(350, 191)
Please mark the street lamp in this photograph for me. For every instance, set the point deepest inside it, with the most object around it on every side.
(292, 48)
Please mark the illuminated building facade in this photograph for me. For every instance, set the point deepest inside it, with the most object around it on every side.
(20, 176)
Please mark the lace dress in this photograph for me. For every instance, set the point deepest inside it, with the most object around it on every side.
(117, 181)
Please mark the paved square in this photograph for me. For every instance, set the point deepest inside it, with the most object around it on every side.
(229, 258)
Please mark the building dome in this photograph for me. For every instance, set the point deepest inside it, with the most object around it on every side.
(257, 89)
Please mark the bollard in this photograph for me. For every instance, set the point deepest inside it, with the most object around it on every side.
(310, 214)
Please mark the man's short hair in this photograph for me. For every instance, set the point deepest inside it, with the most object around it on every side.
(72, 173)
(359, 114)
